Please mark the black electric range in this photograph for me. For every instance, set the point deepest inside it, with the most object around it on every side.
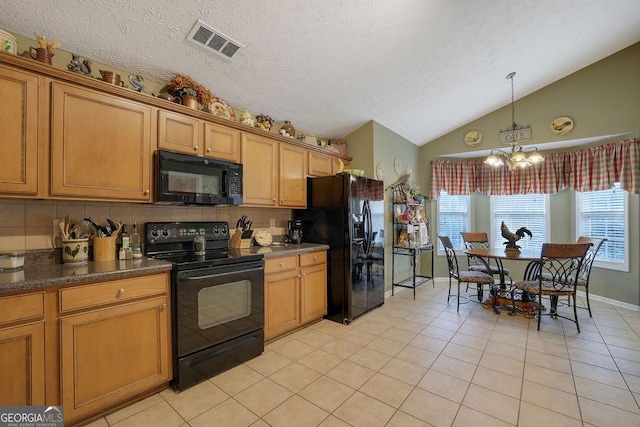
(217, 299)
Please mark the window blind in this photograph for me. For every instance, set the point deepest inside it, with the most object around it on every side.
(602, 214)
(523, 210)
(453, 218)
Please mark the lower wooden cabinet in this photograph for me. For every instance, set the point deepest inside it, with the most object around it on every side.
(22, 365)
(295, 291)
(112, 354)
(22, 358)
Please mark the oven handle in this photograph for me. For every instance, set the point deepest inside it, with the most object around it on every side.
(209, 276)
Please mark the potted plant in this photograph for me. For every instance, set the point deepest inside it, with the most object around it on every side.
(191, 92)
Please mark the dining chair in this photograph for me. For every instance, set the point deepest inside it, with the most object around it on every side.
(474, 240)
(557, 271)
(478, 277)
(585, 272)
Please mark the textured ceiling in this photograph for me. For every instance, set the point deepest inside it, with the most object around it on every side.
(419, 67)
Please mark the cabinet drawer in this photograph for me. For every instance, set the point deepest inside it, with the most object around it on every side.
(109, 292)
(312, 258)
(276, 265)
(21, 307)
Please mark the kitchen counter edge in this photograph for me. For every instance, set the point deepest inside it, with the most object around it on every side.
(35, 277)
(275, 251)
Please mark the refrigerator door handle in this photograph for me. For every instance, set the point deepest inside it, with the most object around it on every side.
(366, 211)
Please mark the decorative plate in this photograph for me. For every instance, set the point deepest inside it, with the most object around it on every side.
(473, 138)
(380, 171)
(561, 125)
(219, 108)
(397, 166)
(8, 43)
(263, 238)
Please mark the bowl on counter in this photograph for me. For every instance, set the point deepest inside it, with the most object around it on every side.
(12, 260)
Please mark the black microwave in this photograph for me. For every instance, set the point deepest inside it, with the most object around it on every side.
(192, 180)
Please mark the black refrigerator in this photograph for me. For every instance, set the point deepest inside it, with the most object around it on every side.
(346, 212)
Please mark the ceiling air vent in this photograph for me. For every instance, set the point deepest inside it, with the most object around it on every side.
(213, 40)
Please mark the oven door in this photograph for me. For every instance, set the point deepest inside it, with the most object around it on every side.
(215, 305)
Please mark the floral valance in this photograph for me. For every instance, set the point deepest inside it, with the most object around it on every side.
(591, 169)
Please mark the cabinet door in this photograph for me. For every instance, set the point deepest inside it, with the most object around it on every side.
(100, 145)
(320, 164)
(19, 128)
(221, 142)
(281, 303)
(313, 293)
(178, 133)
(260, 165)
(22, 365)
(293, 176)
(110, 355)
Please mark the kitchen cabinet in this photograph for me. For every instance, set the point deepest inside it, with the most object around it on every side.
(295, 291)
(21, 143)
(313, 286)
(293, 176)
(274, 173)
(114, 343)
(189, 135)
(100, 145)
(22, 358)
(320, 164)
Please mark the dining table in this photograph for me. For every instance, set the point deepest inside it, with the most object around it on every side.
(500, 295)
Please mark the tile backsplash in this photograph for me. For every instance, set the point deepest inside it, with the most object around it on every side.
(28, 224)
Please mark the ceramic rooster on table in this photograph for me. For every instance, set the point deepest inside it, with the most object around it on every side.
(512, 238)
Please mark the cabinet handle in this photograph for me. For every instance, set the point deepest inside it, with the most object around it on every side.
(303, 274)
(164, 306)
(315, 258)
(282, 264)
(195, 148)
(208, 149)
(120, 291)
(281, 200)
(274, 200)
(145, 192)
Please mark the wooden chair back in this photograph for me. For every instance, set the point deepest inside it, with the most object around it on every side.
(475, 240)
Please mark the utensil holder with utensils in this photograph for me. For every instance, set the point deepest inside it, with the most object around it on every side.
(104, 248)
(75, 251)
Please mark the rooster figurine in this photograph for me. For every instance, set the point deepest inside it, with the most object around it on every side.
(136, 81)
(72, 252)
(512, 238)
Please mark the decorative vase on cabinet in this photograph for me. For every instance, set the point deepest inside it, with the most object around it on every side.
(190, 101)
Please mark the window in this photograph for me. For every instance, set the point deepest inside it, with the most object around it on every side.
(522, 210)
(453, 217)
(604, 214)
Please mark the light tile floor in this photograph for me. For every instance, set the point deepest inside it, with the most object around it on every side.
(419, 363)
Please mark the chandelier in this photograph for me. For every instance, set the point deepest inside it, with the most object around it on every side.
(517, 157)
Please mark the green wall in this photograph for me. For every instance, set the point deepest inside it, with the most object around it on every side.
(602, 99)
(369, 145)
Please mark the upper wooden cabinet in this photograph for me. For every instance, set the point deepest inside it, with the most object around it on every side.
(320, 164)
(20, 138)
(259, 166)
(292, 176)
(221, 142)
(184, 134)
(100, 145)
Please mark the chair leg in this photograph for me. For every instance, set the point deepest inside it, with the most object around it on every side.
(575, 312)
(539, 310)
(449, 293)
(458, 306)
(586, 291)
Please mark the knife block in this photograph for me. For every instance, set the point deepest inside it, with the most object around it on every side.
(239, 240)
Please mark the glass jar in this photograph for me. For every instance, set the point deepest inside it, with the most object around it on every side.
(199, 245)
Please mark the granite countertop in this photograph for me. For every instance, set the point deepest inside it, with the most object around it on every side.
(42, 268)
(277, 250)
(38, 273)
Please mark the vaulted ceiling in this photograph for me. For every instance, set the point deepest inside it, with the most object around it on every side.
(419, 67)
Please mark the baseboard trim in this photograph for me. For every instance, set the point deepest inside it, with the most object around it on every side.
(593, 297)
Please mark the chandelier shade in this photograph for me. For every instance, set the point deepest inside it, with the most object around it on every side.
(516, 157)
